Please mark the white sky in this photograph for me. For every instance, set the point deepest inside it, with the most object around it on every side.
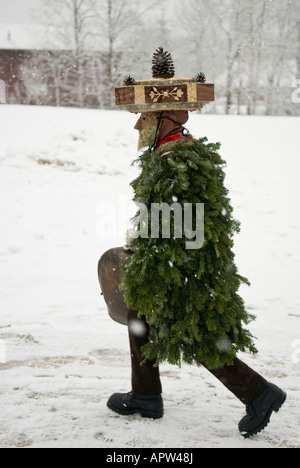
(16, 11)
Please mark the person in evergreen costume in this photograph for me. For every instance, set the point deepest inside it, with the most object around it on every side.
(181, 304)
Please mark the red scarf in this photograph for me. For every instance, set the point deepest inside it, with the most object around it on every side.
(176, 136)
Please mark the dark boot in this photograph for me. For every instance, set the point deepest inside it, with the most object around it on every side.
(128, 404)
(259, 411)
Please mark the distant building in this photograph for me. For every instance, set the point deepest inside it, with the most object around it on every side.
(54, 78)
(51, 77)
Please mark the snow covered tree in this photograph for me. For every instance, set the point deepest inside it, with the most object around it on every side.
(70, 26)
(197, 31)
(278, 55)
(120, 21)
(251, 50)
(251, 56)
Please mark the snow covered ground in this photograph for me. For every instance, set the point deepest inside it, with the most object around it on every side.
(64, 200)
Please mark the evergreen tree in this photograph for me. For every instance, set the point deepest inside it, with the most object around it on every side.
(189, 298)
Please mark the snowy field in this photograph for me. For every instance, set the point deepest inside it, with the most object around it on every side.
(64, 200)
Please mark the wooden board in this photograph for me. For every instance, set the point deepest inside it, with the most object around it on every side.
(152, 97)
(124, 96)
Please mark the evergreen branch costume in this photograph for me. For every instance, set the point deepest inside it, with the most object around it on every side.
(189, 298)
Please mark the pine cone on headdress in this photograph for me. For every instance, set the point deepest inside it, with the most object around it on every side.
(163, 65)
(128, 81)
(201, 78)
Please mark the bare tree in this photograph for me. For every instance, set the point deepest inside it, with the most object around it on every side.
(251, 50)
(256, 17)
(231, 18)
(69, 26)
(119, 19)
(298, 46)
(278, 52)
(215, 34)
(296, 36)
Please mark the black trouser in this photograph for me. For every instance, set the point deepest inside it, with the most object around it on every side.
(240, 379)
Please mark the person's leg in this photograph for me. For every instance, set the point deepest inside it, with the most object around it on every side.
(261, 398)
(145, 377)
(241, 380)
(145, 397)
